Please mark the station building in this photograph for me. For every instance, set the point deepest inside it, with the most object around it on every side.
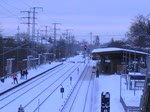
(118, 60)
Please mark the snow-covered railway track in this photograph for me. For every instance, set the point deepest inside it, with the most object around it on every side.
(44, 76)
(39, 87)
(81, 94)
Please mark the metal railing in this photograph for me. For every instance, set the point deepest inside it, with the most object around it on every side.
(129, 108)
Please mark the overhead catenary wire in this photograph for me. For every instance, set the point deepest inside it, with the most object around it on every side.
(10, 5)
(38, 24)
(10, 12)
(13, 49)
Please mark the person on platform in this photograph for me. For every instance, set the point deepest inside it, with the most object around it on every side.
(25, 73)
(15, 78)
(97, 73)
(22, 74)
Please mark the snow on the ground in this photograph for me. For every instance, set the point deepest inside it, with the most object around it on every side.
(105, 83)
(8, 82)
(130, 97)
(109, 83)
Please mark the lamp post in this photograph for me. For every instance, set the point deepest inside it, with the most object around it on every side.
(120, 85)
(134, 69)
(28, 61)
(39, 59)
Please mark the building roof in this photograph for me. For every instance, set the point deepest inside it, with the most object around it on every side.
(110, 49)
(115, 49)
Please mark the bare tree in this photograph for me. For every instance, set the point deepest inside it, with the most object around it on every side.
(117, 43)
(139, 32)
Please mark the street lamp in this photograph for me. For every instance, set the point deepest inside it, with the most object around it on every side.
(120, 85)
(28, 61)
(135, 62)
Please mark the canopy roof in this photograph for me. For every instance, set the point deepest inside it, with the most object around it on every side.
(114, 49)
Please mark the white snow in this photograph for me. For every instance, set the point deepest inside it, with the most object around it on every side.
(110, 49)
(115, 49)
(105, 83)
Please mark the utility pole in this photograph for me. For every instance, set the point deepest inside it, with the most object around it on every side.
(18, 30)
(91, 37)
(46, 31)
(28, 23)
(38, 35)
(68, 37)
(45, 35)
(33, 22)
(33, 26)
(55, 29)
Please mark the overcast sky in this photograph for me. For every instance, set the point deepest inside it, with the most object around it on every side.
(106, 18)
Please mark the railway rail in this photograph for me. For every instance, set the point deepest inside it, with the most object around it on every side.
(80, 93)
(44, 86)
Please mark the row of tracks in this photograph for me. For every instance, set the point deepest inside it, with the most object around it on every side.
(80, 98)
(42, 87)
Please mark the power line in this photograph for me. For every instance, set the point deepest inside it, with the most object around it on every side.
(10, 5)
(9, 11)
(111, 35)
(13, 49)
(26, 4)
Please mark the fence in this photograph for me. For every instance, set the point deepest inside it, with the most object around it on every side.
(129, 108)
(142, 70)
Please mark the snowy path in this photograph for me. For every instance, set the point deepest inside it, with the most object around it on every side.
(111, 84)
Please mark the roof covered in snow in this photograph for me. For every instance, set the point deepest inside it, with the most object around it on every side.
(115, 49)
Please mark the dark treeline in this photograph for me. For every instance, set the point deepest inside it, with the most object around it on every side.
(19, 49)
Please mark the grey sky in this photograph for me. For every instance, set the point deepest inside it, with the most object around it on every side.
(102, 17)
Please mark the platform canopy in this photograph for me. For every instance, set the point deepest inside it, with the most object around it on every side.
(116, 60)
(115, 49)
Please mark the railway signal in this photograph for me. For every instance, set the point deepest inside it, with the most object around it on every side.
(70, 80)
(105, 102)
(62, 90)
(21, 109)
